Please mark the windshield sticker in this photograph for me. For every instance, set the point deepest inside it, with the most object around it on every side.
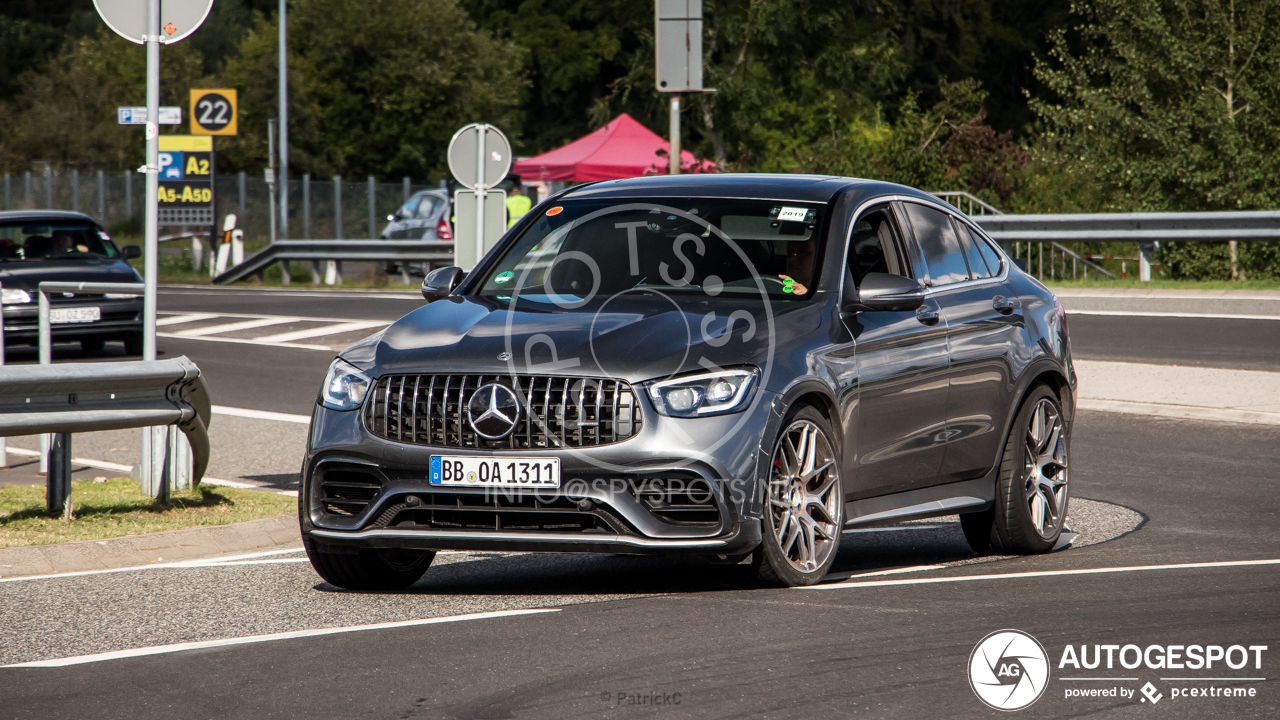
(555, 211)
(503, 277)
(793, 214)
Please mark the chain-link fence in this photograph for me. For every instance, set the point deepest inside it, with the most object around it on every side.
(328, 208)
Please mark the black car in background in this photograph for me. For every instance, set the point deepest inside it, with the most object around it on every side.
(53, 246)
(736, 366)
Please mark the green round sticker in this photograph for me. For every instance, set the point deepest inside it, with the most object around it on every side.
(503, 277)
(788, 288)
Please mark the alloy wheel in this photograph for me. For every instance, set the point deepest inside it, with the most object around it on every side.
(1045, 468)
(804, 496)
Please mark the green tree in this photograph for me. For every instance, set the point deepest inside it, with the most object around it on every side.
(376, 87)
(1173, 104)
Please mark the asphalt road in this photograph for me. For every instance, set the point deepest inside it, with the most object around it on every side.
(682, 641)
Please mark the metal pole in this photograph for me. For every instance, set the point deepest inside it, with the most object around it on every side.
(306, 205)
(4, 447)
(8, 192)
(44, 348)
(75, 190)
(480, 198)
(271, 176)
(151, 470)
(407, 190)
(128, 194)
(332, 271)
(242, 197)
(373, 225)
(48, 187)
(283, 22)
(102, 197)
(27, 196)
(675, 134)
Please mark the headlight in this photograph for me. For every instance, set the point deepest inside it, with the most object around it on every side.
(344, 387)
(714, 393)
(14, 296)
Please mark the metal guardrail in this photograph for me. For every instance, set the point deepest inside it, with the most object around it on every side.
(1133, 227)
(87, 397)
(339, 250)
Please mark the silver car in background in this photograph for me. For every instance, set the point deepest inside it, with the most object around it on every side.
(425, 216)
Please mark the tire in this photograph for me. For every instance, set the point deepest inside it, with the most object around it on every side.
(804, 511)
(371, 568)
(92, 346)
(133, 344)
(1032, 490)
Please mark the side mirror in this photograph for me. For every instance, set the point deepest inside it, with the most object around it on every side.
(131, 252)
(882, 291)
(1020, 264)
(439, 283)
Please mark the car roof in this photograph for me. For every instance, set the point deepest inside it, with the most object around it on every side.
(802, 188)
(44, 215)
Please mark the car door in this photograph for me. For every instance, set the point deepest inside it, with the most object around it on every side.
(983, 319)
(902, 366)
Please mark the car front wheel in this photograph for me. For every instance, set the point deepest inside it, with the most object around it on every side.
(805, 510)
(1030, 508)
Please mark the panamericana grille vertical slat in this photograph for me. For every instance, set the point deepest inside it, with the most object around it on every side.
(556, 411)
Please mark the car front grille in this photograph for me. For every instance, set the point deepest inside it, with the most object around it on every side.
(554, 411)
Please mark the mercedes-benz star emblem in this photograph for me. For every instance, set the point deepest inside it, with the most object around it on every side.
(493, 411)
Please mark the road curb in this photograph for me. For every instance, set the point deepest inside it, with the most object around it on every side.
(273, 533)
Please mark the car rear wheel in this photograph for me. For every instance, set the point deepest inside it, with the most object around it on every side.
(92, 346)
(371, 568)
(133, 344)
(1032, 493)
(805, 510)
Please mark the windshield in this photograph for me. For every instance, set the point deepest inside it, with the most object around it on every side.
(54, 241)
(578, 250)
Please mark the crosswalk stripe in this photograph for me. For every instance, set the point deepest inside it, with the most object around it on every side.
(232, 327)
(176, 319)
(318, 331)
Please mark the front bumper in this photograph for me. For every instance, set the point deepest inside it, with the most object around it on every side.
(616, 519)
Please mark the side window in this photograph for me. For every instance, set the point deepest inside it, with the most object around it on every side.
(977, 264)
(873, 245)
(944, 260)
(989, 254)
(406, 211)
(428, 206)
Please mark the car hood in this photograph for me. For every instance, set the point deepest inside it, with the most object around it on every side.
(626, 337)
(28, 275)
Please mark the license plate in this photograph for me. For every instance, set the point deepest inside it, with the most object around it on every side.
(495, 471)
(58, 316)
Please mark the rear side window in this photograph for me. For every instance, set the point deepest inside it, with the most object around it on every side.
(944, 260)
(427, 208)
(989, 254)
(977, 264)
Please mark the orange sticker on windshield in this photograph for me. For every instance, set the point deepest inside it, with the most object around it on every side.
(555, 211)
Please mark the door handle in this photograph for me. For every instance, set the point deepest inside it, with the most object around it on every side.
(1003, 305)
(927, 316)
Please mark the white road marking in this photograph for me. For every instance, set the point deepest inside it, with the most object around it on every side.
(319, 331)
(1195, 679)
(178, 319)
(102, 464)
(261, 414)
(1208, 316)
(251, 639)
(232, 327)
(1062, 678)
(1042, 573)
(241, 341)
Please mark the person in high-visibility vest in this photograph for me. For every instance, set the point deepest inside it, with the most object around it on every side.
(518, 204)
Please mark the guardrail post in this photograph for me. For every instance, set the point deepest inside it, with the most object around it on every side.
(1144, 261)
(8, 192)
(75, 190)
(333, 273)
(102, 198)
(58, 481)
(4, 442)
(153, 468)
(26, 190)
(373, 222)
(48, 187)
(44, 349)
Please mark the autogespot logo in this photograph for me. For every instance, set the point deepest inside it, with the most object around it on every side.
(1008, 670)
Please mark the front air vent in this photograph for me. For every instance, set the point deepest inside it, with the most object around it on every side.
(678, 500)
(347, 492)
(555, 412)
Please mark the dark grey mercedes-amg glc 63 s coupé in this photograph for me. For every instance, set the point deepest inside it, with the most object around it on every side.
(736, 366)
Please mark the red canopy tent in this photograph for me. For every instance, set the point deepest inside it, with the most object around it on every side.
(624, 148)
